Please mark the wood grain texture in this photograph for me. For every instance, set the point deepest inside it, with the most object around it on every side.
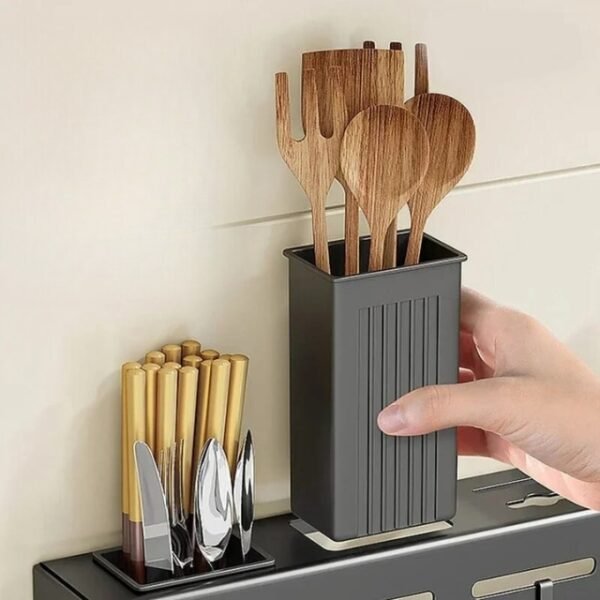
(217, 399)
(384, 157)
(235, 408)
(136, 430)
(421, 70)
(191, 360)
(190, 347)
(204, 372)
(369, 77)
(314, 160)
(166, 410)
(172, 352)
(451, 132)
(124, 456)
(151, 370)
(156, 357)
(187, 393)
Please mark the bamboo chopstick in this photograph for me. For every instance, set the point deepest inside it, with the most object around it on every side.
(136, 430)
(191, 360)
(190, 347)
(151, 370)
(204, 373)
(156, 357)
(217, 399)
(124, 458)
(186, 419)
(172, 352)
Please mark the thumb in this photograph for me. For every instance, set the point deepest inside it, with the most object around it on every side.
(488, 404)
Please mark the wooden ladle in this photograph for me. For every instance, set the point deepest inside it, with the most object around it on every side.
(384, 157)
(451, 133)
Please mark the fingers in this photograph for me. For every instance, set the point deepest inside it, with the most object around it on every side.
(493, 405)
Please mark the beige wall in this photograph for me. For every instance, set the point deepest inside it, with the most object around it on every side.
(143, 200)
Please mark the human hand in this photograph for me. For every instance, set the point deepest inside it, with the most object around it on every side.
(523, 398)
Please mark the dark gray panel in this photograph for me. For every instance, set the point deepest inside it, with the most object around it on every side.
(488, 539)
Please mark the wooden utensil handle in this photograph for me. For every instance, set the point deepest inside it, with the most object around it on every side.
(415, 241)
(351, 226)
(390, 252)
(319, 227)
(377, 251)
(421, 70)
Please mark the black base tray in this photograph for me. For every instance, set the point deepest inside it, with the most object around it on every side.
(145, 579)
(488, 539)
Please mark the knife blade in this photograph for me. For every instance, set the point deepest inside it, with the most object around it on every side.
(243, 494)
(155, 519)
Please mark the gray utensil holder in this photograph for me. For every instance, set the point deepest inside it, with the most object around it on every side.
(357, 343)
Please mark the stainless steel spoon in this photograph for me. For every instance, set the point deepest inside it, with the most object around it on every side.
(213, 503)
(243, 494)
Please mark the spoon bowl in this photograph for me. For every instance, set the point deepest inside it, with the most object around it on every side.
(213, 504)
(384, 157)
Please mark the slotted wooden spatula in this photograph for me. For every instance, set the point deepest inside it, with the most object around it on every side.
(384, 157)
(314, 160)
(451, 133)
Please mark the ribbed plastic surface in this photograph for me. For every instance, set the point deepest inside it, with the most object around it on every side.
(398, 352)
(356, 344)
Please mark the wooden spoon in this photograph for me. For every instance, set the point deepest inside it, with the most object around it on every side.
(369, 76)
(451, 133)
(384, 157)
(314, 160)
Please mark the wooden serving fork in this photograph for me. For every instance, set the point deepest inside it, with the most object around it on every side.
(315, 159)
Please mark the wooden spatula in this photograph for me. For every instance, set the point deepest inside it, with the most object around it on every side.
(451, 133)
(369, 77)
(314, 160)
(384, 157)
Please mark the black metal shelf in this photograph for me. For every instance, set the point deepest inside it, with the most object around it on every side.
(488, 539)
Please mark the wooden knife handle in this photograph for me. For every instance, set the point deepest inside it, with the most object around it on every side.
(156, 357)
(204, 372)
(235, 407)
(209, 354)
(190, 347)
(186, 419)
(172, 352)
(136, 430)
(217, 399)
(172, 365)
(191, 360)
(166, 409)
(151, 370)
(124, 458)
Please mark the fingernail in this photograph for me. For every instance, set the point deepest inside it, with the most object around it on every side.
(391, 419)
